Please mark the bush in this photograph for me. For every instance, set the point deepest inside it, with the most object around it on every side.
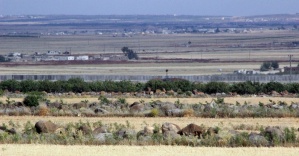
(31, 100)
(154, 112)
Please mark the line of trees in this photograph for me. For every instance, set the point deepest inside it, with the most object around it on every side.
(78, 85)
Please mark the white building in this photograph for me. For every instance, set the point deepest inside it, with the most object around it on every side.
(53, 53)
(84, 58)
(66, 58)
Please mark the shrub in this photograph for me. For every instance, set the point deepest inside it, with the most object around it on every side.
(188, 113)
(31, 100)
(154, 112)
(43, 110)
(103, 100)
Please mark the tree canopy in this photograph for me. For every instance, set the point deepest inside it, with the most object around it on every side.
(129, 53)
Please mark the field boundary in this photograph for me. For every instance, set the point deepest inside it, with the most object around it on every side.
(145, 78)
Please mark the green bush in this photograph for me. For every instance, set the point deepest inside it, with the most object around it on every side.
(31, 100)
(154, 112)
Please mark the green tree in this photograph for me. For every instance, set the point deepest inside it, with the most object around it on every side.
(274, 64)
(265, 66)
(3, 59)
(129, 53)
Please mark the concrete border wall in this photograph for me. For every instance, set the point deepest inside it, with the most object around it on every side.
(144, 78)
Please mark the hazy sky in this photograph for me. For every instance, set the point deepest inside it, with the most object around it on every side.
(152, 7)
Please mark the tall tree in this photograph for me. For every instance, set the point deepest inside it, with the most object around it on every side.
(129, 53)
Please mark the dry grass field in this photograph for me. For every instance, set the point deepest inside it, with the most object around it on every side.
(230, 100)
(51, 150)
(140, 122)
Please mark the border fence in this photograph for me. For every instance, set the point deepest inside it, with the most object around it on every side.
(144, 78)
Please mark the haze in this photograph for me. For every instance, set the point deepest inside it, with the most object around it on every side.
(149, 7)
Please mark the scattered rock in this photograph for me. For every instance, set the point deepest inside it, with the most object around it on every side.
(257, 140)
(46, 127)
(85, 129)
(170, 127)
(136, 107)
(273, 132)
(103, 137)
(192, 129)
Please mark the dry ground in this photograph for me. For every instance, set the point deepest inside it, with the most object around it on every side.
(155, 69)
(140, 122)
(231, 100)
(51, 150)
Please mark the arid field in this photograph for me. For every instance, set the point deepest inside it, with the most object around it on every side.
(230, 100)
(140, 122)
(49, 150)
(234, 51)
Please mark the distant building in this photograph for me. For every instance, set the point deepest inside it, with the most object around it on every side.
(295, 70)
(83, 58)
(53, 53)
(14, 54)
(118, 58)
(66, 58)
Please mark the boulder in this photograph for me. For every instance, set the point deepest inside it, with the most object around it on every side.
(170, 135)
(46, 127)
(9, 131)
(85, 129)
(192, 129)
(272, 132)
(136, 107)
(100, 111)
(126, 133)
(210, 106)
(148, 131)
(170, 131)
(175, 112)
(103, 137)
(257, 140)
(166, 127)
(99, 130)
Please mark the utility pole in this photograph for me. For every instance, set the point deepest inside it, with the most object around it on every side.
(290, 67)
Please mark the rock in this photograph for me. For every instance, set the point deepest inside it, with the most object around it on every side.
(136, 107)
(101, 111)
(9, 131)
(276, 106)
(294, 106)
(85, 129)
(257, 140)
(104, 137)
(174, 112)
(147, 131)
(170, 127)
(273, 132)
(126, 133)
(99, 130)
(79, 105)
(170, 131)
(46, 127)
(210, 106)
(226, 135)
(170, 135)
(192, 129)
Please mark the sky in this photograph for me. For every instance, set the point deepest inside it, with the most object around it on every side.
(149, 7)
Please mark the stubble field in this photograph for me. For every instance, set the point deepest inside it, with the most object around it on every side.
(49, 150)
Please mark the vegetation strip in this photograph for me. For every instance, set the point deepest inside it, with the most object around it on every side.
(167, 86)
